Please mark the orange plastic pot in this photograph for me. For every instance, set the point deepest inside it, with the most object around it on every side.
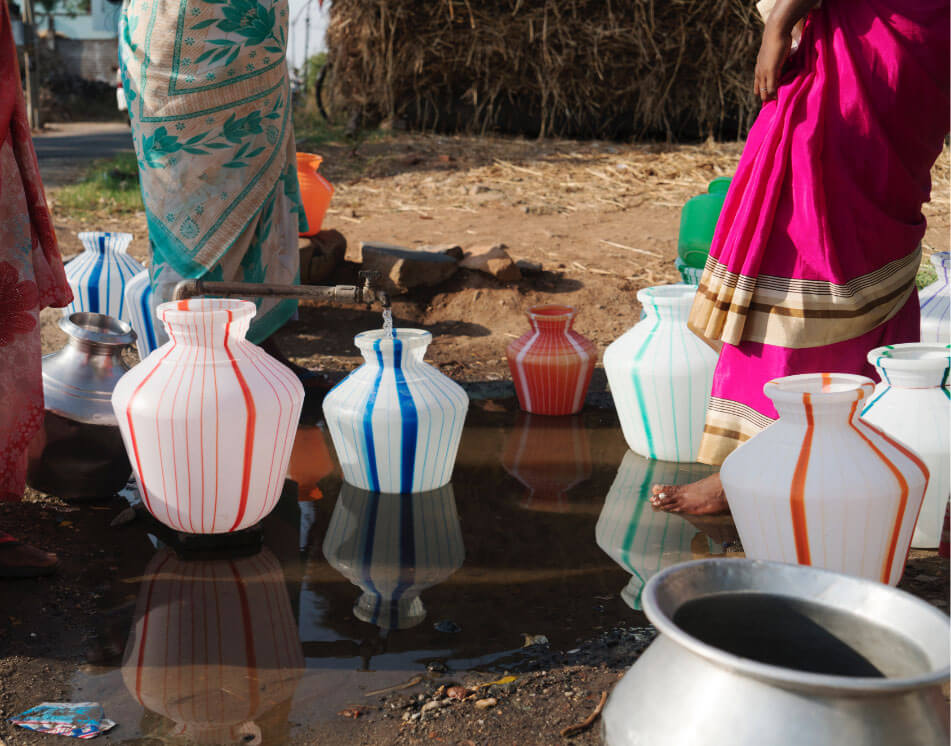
(315, 191)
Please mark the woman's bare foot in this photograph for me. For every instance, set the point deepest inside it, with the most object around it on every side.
(697, 498)
(19, 560)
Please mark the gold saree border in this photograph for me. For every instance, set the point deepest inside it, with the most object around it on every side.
(794, 313)
(728, 425)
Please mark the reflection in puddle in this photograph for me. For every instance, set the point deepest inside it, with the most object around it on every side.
(214, 649)
(549, 455)
(393, 547)
(642, 540)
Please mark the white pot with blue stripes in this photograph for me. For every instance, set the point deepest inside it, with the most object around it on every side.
(935, 301)
(98, 276)
(660, 374)
(913, 405)
(393, 547)
(140, 304)
(396, 421)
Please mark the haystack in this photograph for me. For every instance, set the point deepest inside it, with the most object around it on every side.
(676, 69)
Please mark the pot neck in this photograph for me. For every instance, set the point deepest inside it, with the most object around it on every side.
(100, 242)
(551, 319)
(403, 351)
(913, 366)
(669, 303)
(819, 397)
(201, 322)
(96, 333)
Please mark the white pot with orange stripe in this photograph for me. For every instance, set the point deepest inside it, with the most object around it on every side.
(208, 420)
(822, 487)
(913, 404)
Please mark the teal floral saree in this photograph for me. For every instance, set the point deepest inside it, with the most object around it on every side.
(208, 96)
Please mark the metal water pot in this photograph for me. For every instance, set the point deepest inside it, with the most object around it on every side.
(754, 652)
(79, 452)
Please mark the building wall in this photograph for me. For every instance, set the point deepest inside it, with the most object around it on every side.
(92, 59)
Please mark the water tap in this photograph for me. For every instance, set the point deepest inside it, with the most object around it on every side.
(372, 289)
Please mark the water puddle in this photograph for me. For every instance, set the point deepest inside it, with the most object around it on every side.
(544, 533)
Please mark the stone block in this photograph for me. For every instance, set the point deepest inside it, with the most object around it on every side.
(492, 259)
(404, 269)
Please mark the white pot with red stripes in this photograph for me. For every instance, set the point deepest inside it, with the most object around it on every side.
(208, 420)
(660, 374)
(396, 421)
(214, 647)
(822, 487)
(913, 404)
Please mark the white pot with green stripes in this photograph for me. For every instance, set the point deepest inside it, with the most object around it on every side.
(913, 404)
(660, 375)
(640, 539)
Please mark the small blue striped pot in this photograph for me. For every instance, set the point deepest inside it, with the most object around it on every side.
(138, 301)
(396, 421)
(393, 547)
(98, 276)
(660, 374)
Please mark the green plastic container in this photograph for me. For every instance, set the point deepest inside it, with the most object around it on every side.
(698, 221)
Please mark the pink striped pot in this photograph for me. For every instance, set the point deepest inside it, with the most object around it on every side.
(551, 364)
(822, 487)
(208, 420)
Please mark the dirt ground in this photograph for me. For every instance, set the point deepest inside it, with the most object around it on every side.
(601, 218)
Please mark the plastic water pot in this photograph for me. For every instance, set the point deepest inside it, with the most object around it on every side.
(698, 221)
(315, 191)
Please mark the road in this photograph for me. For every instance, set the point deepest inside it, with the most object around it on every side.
(64, 149)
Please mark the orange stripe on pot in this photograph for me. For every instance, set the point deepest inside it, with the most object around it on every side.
(902, 500)
(797, 496)
(913, 457)
(826, 382)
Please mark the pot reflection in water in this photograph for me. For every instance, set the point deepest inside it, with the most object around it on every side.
(393, 547)
(549, 455)
(214, 649)
(641, 539)
(752, 652)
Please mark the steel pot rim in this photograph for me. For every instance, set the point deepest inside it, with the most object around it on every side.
(98, 328)
(855, 686)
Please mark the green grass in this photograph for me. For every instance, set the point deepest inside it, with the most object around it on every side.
(311, 130)
(926, 275)
(110, 184)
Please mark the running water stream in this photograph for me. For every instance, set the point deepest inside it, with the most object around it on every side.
(388, 330)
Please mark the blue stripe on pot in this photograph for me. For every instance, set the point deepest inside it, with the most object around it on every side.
(148, 324)
(368, 541)
(373, 475)
(407, 557)
(409, 421)
(92, 287)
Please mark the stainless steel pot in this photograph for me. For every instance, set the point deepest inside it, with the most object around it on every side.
(79, 452)
(754, 652)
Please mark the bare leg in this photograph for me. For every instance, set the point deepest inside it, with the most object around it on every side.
(697, 498)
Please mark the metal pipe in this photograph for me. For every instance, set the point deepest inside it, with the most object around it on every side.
(366, 293)
(339, 293)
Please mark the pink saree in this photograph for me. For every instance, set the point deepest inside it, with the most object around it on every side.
(31, 274)
(815, 255)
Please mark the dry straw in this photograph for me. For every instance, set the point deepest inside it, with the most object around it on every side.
(588, 68)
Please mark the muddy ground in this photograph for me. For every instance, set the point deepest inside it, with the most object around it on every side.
(602, 220)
